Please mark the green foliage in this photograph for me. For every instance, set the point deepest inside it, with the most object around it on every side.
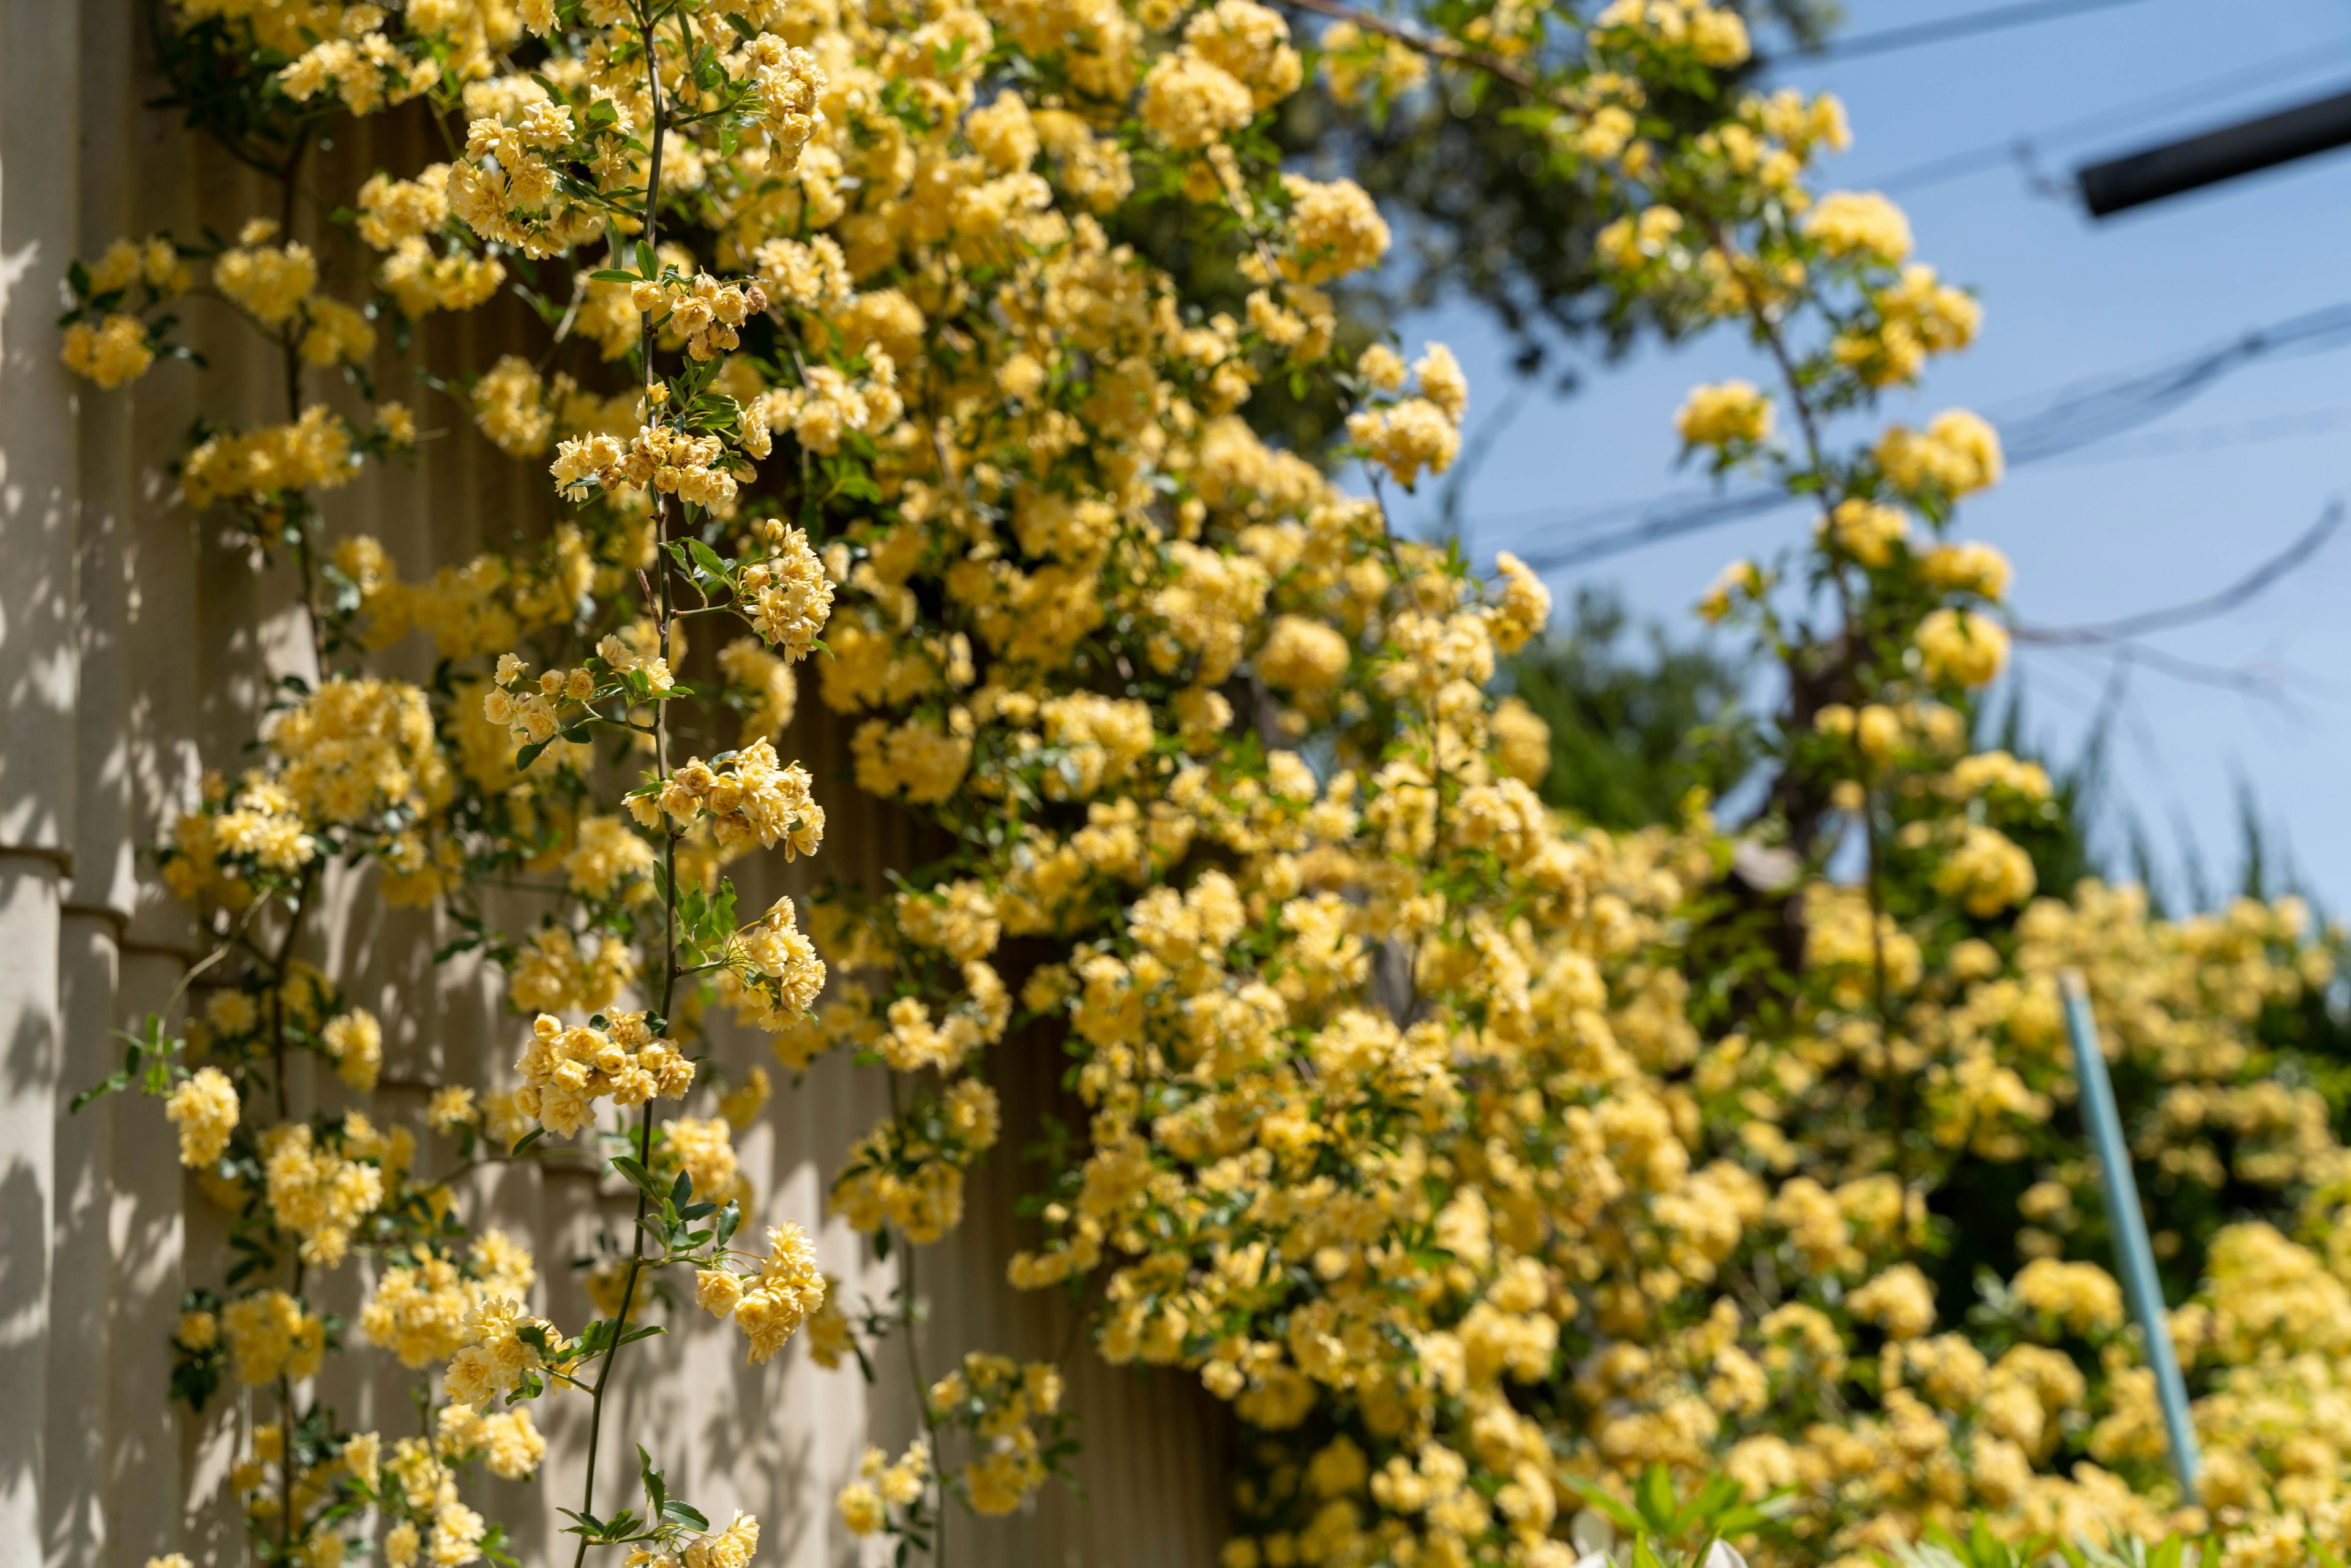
(1979, 1548)
(1482, 215)
(1665, 1529)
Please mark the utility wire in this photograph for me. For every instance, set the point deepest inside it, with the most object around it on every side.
(2193, 94)
(1923, 33)
(2075, 417)
(2328, 419)
(2243, 591)
(2092, 410)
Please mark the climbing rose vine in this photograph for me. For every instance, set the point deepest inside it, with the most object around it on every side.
(1480, 1160)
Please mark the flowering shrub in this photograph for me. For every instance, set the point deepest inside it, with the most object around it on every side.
(1481, 1162)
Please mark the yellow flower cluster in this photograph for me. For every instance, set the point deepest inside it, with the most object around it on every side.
(313, 453)
(1408, 433)
(114, 351)
(215, 853)
(1860, 224)
(205, 1108)
(423, 1312)
(565, 1069)
(321, 1189)
(749, 797)
(770, 1305)
(1000, 1402)
(493, 1357)
(883, 1485)
(270, 1336)
(1731, 416)
(694, 468)
(1957, 454)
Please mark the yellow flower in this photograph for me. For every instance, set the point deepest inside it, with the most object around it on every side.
(1731, 415)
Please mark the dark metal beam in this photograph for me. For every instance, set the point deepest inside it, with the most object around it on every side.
(2215, 155)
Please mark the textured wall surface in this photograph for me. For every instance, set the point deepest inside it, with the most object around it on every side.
(134, 645)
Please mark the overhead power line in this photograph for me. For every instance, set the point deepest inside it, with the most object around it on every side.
(1920, 34)
(2212, 157)
(2190, 95)
(2092, 410)
(2243, 591)
(2329, 419)
(2068, 420)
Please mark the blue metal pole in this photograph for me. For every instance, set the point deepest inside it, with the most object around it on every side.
(2132, 1253)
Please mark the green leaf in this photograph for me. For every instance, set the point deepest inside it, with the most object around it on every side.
(529, 754)
(527, 1140)
(105, 1086)
(611, 274)
(656, 1488)
(648, 260)
(685, 1513)
(1623, 1518)
(643, 1180)
(1656, 1496)
(729, 1218)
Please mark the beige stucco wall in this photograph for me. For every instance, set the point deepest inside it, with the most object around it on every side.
(134, 644)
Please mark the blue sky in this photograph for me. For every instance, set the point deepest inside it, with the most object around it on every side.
(2174, 510)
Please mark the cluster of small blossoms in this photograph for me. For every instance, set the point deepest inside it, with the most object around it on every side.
(1957, 454)
(829, 405)
(535, 717)
(1235, 60)
(566, 1069)
(500, 1351)
(321, 1188)
(775, 969)
(786, 593)
(1403, 436)
(1732, 416)
(750, 795)
(270, 1336)
(703, 310)
(731, 1547)
(508, 1443)
(418, 1492)
(1001, 1402)
(314, 453)
(217, 854)
(422, 1311)
(695, 468)
(114, 351)
(401, 218)
(1713, 35)
(507, 192)
(907, 1174)
(883, 1484)
(768, 1306)
(205, 1108)
(554, 969)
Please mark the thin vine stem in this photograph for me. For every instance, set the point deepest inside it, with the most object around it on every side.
(1767, 330)
(651, 226)
(906, 1323)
